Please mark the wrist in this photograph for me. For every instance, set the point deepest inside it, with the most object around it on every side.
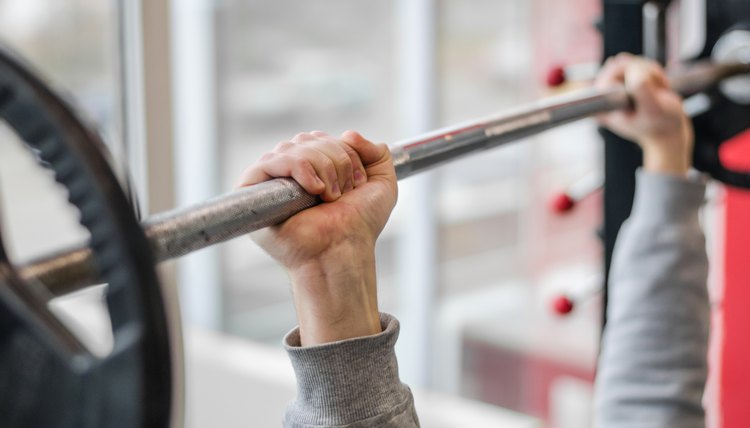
(669, 159)
(335, 295)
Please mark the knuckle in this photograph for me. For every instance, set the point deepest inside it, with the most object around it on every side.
(299, 162)
(344, 160)
(354, 133)
(354, 158)
(308, 168)
(302, 136)
(327, 163)
(266, 157)
(284, 146)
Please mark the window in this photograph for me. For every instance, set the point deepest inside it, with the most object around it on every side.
(286, 67)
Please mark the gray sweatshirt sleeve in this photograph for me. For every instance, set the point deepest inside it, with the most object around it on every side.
(350, 384)
(652, 368)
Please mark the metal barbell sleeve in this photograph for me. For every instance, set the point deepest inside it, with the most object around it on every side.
(179, 232)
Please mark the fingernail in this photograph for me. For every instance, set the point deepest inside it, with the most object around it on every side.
(348, 186)
(359, 178)
(335, 189)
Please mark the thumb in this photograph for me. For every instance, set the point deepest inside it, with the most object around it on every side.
(642, 80)
(368, 151)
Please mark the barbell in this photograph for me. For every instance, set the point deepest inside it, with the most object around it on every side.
(176, 233)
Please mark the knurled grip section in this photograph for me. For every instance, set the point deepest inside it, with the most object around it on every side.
(179, 232)
(176, 233)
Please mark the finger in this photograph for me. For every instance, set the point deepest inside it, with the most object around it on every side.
(255, 174)
(359, 175)
(662, 79)
(304, 147)
(324, 168)
(613, 71)
(359, 172)
(367, 151)
(275, 165)
(656, 72)
(671, 101)
(613, 74)
(342, 177)
(642, 81)
(303, 137)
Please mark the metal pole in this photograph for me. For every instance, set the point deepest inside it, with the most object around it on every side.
(195, 154)
(416, 243)
(176, 233)
(147, 114)
(655, 30)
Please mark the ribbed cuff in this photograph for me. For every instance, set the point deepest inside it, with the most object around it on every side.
(661, 198)
(348, 381)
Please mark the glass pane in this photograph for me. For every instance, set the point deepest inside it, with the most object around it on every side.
(285, 67)
(72, 44)
(505, 254)
(281, 73)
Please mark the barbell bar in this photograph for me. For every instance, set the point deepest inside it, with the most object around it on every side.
(178, 232)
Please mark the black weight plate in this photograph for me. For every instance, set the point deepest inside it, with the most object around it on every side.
(40, 384)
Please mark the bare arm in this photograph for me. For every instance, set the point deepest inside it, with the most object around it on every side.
(343, 350)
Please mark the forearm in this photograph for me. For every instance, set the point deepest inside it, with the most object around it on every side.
(343, 351)
(350, 383)
(652, 368)
(335, 296)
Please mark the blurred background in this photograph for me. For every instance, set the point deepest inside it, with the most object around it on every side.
(475, 258)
